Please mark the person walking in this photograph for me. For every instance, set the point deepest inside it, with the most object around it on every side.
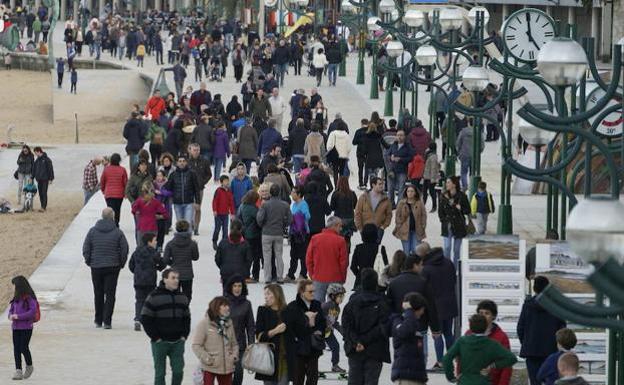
(60, 71)
(454, 207)
(144, 264)
(148, 211)
(166, 319)
(365, 253)
(431, 176)
(342, 205)
(113, 183)
(23, 313)
(281, 58)
(327, 259)
(364, 321)
(247, 139)
(319, 61)
(273, 217)
(298, 233)
(481, 206)
(201, 167)
(179, 75)
(233, 256)
(25, 162)
(241, 184)
(278, 109)
(259, 106)
(334, 57)
(305, 328)
(271, 328)
(180, 252)
(410, 220)
(74, 80)
(184, 185)
(373, 144)
(134, 131)
(537, 329)
(400, 155)
(222, 209)
(215, 344)
(375, 207)
(247, 214)
(43, 173)
(340, 143)
(242, 318)
(105, 251)
(464, 148)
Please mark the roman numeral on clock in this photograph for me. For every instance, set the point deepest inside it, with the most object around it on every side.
(531, 55)
(511, 37)
(549, 34)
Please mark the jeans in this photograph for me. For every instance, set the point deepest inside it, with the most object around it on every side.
(533, 365)
(221, 225)
(184, 211)
(456, 247)
(21, 178)
(115, 204)
(98, 51)
(42, 185)
(21, 340)
(104, 287)
(320, 290)
(465, 170)
(121, 52)
(159, 57)
(363, 370)
(332, 70)
(218, 165)
(134, 160)
(380, 234)
(179, 86)
(280, 71)
(175, 351)
(298, 254)
(88, 195)
(410, 245)
(248, 163)
(447, 335)
(297, 162)
(334, 346)
(305, 370)
(481, 223)
(396, 184)
(272, 243)
(140, 293)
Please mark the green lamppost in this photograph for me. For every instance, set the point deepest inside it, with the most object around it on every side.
(374, 28)
(353, 15)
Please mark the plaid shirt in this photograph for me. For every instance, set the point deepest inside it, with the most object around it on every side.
(89, 178)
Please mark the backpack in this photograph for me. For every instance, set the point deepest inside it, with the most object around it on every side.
(416, 167)
(37, 313)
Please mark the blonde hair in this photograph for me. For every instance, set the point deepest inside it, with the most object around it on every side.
(372, 127)
(266, 186)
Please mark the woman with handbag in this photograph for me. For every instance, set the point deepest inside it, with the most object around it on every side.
(454, 208)
(215, 344)
(270, 329)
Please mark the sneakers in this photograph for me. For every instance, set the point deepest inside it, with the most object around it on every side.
(437, 367)
(18, 375)
(28, 372)
(337, 369)
(98, 325)
(289, 279)
(137, 326)
(107, 326)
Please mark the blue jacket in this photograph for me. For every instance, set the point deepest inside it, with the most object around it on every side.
(548, 372)
(409, 358)
(268, 137)
(301, 207)
(405, 153)
(239, 188)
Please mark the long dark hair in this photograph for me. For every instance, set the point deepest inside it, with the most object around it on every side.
(342, 187)
(22, 288)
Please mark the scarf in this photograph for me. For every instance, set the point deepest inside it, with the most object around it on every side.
(221, 325)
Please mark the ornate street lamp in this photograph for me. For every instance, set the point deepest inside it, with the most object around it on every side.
(414, 18)
(426, 55)
(475, 78)
(562, 62)
(451, 18)
(472, 15)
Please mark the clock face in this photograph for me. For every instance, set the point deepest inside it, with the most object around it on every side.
(526, 31)
(610, 125)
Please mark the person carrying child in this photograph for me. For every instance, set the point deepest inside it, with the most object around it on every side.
(331, 311)
(144, 263)
(481, 206)
(23, 312)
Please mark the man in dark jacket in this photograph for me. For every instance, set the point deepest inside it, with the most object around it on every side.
(179, 75)
(204, 135)
(409, 359)
(536, 331)
(184, 184)
(305, 328)
(166, 319)
(320, 177)
(272, 157)
(201, 168)
(296, 144)
(439, 272)
(399, 155)
(260, 107)
(364, 322)
(134, 132)
(410, 281)
(43, 172)
(358, 140)
(180, 252)
(199, 97)
(269, 137)
(334, 57)
(281, 58)
(105, 251)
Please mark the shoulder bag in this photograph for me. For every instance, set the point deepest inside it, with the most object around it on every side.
(259, 358)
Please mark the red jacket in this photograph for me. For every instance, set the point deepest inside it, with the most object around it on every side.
(499, 376)
(327, 257)
(146, 214)
(113, 181)
(223, 202)
(155, 106)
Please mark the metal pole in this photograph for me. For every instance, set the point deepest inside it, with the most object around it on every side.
(77, 135)
(374, 89)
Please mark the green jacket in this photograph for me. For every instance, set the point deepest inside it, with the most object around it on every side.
(136, 184)
(36, 25)
(247, 215)
(475, 353)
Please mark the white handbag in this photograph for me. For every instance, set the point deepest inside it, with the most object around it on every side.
(259, 358)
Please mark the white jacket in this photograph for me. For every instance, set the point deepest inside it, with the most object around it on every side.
(319, 60)
(341, 141)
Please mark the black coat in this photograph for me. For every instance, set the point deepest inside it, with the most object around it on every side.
(536, 330)
(319, 208)
(342, 205)
(449, 214)
(440, 273)
(372, 146)
(298, 330)
(144, 263)
(166, 315)
(267, 319)
(172, 142)
(43, 168)
(25, 163)
(180, 252)
(233, 259)
(321, 178)
(281, 55)
(201, 167)
(204, 135)
(242, 318)
(296, 140)
(409, 358)
(363, 256)
(410, 282)
(184, 185)
(365, 321)
(134, 132)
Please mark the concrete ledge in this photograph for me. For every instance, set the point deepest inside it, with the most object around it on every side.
(31, 61)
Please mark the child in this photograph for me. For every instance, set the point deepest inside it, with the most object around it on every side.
(180, 252)
(409, 356)
(365, 253)
(481, 205)
(548, 373)
(431, 176)
(222, 205)
(568, 366)
(147, 211)
(74, 80)
(24, 311)
(476, 352)
(221, 149)
(331, 310)
(7, 61)
(140, 54)
(143, 264)
(163, 196)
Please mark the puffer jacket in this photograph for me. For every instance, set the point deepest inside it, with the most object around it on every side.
(134, 132)
(25, 163)
(409, 359)
(180, 252)
(105, 246)
(184, 185)
(144, 264)
(217, 353)
(113, 181)
(43, 168)
(402, 220)
(419, 139)
(340, 140)
(233, 258)
(381, 217)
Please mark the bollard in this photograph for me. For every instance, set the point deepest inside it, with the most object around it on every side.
(77, 136)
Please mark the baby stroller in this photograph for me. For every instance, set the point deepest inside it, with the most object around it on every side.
(30, 190)
(215, 69)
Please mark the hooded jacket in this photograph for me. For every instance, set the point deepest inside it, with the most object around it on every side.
(180, 252)
(134, 132)
(239, 187)
(165, 314)
(105, 246)
(498, 376)
(536, 330)
(144, 263)
(409, 357)
(364, 321)
(241, 314)
(222, 144)
(419, 139)
(476, 353)
(42, 168)
(439, 272)
(268, 138)
(233, 258)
